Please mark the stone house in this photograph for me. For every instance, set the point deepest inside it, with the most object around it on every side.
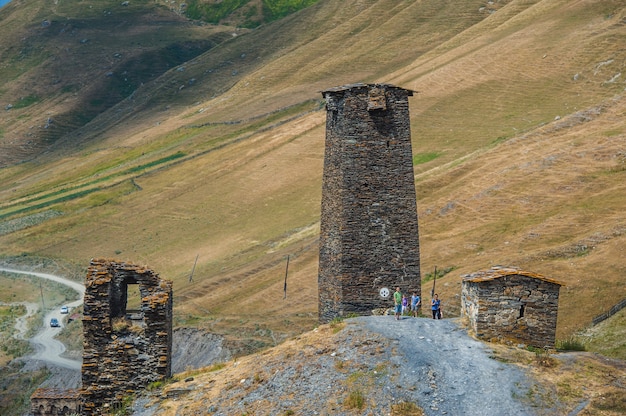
(53, 402)
(508, 304)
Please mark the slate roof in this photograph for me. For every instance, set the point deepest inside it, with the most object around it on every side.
(55, 393)
(497, 272)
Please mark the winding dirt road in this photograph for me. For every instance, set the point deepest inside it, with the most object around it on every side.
(47, 348)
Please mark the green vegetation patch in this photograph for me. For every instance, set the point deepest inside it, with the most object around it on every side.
(277, 9)
(11, 347)
(570, 344)
(213, 12)
(609, 337)
(26, 101)
(160, 161)
(420, 158)
(439, 273)
(244, 13)
(64, 198)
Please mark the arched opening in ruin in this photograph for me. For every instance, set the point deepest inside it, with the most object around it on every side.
(521, 311)
(133, 302)
(126, 311)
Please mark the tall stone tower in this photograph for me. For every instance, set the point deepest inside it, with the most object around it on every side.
(369, 241)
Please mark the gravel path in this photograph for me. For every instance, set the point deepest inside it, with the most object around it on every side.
(452, 373)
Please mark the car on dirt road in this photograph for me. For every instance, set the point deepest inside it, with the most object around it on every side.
(65, 309)
(54, 323)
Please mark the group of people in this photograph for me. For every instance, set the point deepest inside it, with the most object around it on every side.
(401, 305)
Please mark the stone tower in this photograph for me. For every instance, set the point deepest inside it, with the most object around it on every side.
(369, 241)
(124, 349)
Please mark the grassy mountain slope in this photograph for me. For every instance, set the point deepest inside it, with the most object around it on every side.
(518, 131)
(63, 63)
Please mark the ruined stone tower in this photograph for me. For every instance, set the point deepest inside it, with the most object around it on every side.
(369, 235)
(124, 349)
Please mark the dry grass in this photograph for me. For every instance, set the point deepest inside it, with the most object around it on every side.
(287, 377)
(608, 337)
(406, 409)
(574, 379)
(17, 288)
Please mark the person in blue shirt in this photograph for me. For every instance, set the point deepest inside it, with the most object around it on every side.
(435, 306)
(415, 303)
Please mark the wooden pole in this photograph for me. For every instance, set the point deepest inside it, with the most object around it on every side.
(432, 293)
(286, 271)
(193, 269)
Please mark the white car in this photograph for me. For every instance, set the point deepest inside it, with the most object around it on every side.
(65, 309)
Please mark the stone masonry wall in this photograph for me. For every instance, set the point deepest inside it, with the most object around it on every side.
(54, 402)
(122, 356)
(369, 240)
(512, 307)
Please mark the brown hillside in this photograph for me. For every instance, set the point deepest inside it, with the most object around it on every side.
(519, 138)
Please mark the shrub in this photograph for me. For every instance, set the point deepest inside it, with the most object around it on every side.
(406, 409)
(336, 324)
(355, 400)
(543, 358)
(570, 344)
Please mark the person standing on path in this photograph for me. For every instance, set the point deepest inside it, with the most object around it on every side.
(397, 301)
(405, 304)
(435, 305)
(415, 303)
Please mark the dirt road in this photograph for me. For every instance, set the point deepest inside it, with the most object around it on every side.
(47, 348)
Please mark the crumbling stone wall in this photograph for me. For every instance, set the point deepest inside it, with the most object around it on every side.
(506, 304)
(54, 402)
(123, 355)
(369, 233)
